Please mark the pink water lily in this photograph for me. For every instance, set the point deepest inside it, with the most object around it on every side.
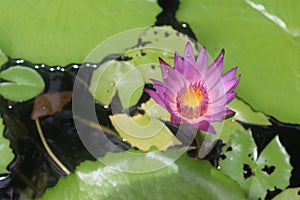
(194, 92)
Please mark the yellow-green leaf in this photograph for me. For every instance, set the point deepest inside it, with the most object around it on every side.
(143, 131)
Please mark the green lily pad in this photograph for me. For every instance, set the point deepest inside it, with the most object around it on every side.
(127, 78)
(130, 88)
(244, 113)
(291, 193)
(3, 58)
(147, 61)
(22, 83)
(143, 131)
(116, 76)
(56, 32)
(254, 38)
(158, 42)
(256, 174)
(5, 151)
(277, 12)
(230, 127)
(184, 179)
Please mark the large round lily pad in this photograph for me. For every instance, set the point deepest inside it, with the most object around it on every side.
(61, 32)
(185, 179)
(262, 38)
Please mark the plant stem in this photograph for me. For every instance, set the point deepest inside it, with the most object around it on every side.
(199, 141)
(48, 149)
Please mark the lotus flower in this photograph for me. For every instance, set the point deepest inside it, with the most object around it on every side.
(194, 92)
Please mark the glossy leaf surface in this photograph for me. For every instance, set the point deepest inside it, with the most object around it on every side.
(262, 38)
(256, 173)
(21, 83)
(186, 178)
(59, 33)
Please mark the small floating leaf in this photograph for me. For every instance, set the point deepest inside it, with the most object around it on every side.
(21, 83)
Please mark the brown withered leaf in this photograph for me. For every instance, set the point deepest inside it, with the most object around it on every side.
(50, 103)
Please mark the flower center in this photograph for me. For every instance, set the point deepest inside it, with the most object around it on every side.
(192, 100)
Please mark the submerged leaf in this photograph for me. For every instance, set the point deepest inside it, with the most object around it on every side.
(50, 103)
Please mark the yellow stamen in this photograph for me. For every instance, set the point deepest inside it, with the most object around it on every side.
(191, 97)
(192, 101)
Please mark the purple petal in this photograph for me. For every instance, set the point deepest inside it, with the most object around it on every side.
(190, 72)
(229, 75)
(229, 112)
(222, 87)
(165, 93)
(224, 99)
(156, 97)
(218, 62)
(205, 126)
(165, 68)
(160, 89)
(217, 95)
(230, 97)
(218, 117)
(223, 93)
(189, 53)
(202, 62)
(172, 108)
(213, 78)
(172, 78)
(215, 110)
(178, 62)
(156, 82)
(231, 85)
